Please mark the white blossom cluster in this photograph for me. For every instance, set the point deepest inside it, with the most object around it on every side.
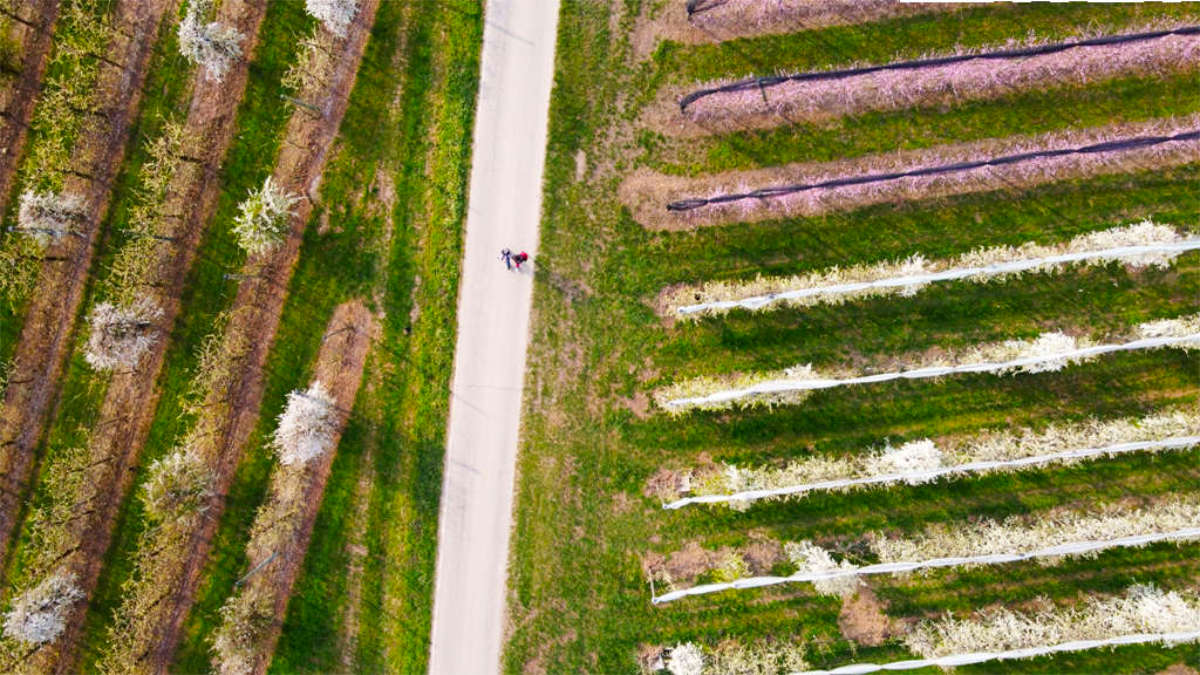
(1143, 609)
(38, 616)
(49, 216)
(336, 15)
(212, 45)
(1026, 534)
(262, 221)
(809, 558)
(731, 657)
(1054, 352)
(121, 335)
(1005, 448)
(912, 459)
(307, 426)
(1144, 244)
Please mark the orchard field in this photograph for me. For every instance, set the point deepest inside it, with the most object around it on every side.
(229, 247)
(868, 366)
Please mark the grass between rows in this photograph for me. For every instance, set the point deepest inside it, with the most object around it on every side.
(580, 601)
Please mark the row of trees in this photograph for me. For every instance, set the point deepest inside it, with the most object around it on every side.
(923, 460)
(1048, 352)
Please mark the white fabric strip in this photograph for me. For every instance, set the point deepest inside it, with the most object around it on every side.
(1028, 652)
(1071, 548)
(992, 270)
(780, 386)
(1174, 443)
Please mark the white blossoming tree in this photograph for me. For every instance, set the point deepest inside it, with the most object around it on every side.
(335, 14)
(262, 222)
(121, 335)
(178, 487)
(210, 45)
(307, 426)
(49, 216)
(38, 616)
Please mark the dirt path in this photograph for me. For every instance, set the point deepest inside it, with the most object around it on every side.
(21, 97)
(132, 397)
(46, 337)
(504, 209)
(246, 343)
(295, 495)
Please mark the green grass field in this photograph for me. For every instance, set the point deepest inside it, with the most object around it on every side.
(580, 601)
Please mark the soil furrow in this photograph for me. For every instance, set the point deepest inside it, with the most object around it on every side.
(132, 397)
(283, 528)
(22, 95)
(46, 336)
(147, 641)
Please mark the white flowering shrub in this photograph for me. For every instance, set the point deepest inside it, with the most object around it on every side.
(990, 451)
(1144, 244)
(336, 15)
(731, 657)
(307, 426)
(913, 458)
(121, 335)
(262, 221)
(38, 616)
(1142, 610)
(48, 217)
(209, 44)
(808, 557)
(686, 659)
(245, 621)
(178, 487)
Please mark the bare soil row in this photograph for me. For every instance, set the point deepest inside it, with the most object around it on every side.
(150, 621)
(820, 98)
(283, 527)
(719, 20)
(17, 101)
(46, 336)
(647, 193)
(131, 398)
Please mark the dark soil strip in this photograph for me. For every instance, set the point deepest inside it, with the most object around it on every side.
(132, 397)
(255, 317)
(46, 336)
(339, 367)
(14, 120)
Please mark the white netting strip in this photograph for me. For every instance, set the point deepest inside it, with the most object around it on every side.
(1028, 652)
(915, 477)
(829, 293)
(1071, 548)
(1029, 363)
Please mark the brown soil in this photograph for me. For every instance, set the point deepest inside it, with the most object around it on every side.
(131, 397)
(863, 621)
(339, 367)
(1178, 669)
(18, 100)
(743, 18)
(256, 312)
(46, 337)
(647, 193)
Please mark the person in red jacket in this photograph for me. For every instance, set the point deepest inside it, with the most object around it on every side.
(520, 258)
